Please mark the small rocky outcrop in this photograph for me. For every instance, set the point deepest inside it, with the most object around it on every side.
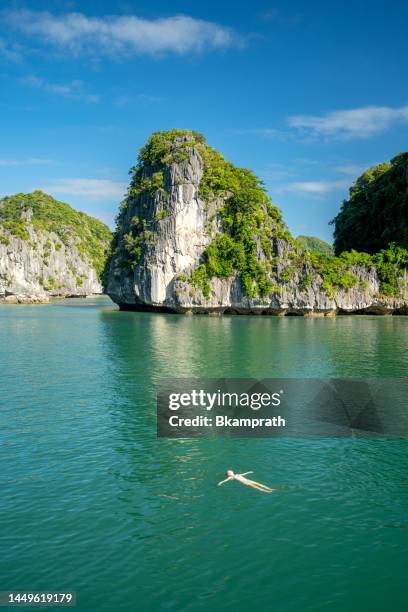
(49, 249)
(195, 234)
(40, 298)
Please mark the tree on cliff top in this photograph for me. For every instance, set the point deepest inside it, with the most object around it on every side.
(376, 213)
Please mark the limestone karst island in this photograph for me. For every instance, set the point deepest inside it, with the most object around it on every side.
(49, 249)
(196, 234)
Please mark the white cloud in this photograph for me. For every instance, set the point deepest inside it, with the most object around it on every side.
(269, 133)
(352, 169)
(73, 90)
(122, 35)
(347, 124)
(317, 187)
(11, 53)
(92, 189)
(31, 161)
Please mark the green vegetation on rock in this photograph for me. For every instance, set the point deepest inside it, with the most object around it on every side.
(340, 271)
(161, 149)
(248, 218)
(376, 213)
(249, 222)
(45, 214)
(168, 147)
(374, 221)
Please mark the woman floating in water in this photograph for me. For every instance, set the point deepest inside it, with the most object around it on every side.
(249, 483)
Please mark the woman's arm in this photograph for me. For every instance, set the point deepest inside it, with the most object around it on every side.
(226, 480)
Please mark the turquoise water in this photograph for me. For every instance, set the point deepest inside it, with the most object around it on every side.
(92, 501)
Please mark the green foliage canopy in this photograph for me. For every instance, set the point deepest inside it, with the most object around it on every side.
(376, 213)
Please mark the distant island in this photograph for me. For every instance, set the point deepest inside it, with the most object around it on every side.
(312, 243)
(49, 249)
(196, 234)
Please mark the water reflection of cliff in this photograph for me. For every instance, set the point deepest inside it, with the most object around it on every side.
(139, 349)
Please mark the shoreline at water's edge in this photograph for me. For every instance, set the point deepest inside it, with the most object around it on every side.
(262, 311)
(22, 299)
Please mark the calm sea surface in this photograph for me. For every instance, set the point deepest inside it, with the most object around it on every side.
(92, 501)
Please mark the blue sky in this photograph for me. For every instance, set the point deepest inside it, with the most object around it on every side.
(307, 94)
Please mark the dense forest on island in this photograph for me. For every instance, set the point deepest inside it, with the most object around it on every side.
(376, 213)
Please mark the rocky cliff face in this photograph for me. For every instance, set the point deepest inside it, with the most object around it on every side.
(48, 249)
(197, 235)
